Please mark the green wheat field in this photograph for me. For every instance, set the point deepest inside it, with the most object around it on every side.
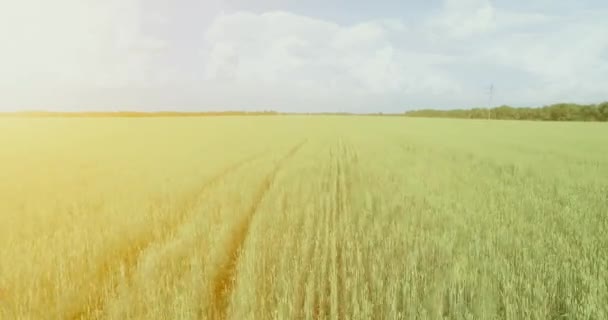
(302, 217)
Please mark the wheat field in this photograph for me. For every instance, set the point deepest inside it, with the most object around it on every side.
(302, 217)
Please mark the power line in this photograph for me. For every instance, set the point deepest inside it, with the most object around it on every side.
(490, 98)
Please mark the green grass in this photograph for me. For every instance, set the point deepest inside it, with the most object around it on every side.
(302, 217)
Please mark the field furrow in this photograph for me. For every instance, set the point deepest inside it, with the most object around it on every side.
(224, 281)
(123, 262)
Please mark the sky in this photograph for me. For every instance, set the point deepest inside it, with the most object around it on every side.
(300, 56)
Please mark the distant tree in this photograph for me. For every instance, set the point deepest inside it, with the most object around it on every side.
(603, 111)
(505, 113)
(554, 112)
(478, 113)
(558, 112)
(588, 113)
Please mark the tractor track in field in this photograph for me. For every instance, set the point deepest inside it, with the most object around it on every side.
(224, 281)
(304, 276)
(126, 259)
(331, 300)
(347, 161)
(321, 285)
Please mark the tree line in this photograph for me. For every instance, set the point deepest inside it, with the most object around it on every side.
(554, 112)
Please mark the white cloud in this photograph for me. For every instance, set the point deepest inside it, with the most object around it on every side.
(311, 59)
(68, 45)
(74, 52)
(315, 61)
(569, 59)
(464, 18)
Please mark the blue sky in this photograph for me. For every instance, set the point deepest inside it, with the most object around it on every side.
(338, 55)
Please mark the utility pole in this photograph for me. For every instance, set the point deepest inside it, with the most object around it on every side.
(491, 96)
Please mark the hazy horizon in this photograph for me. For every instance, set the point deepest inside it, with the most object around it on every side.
(288, 56)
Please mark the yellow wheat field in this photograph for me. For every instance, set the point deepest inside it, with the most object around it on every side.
(302, 217)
